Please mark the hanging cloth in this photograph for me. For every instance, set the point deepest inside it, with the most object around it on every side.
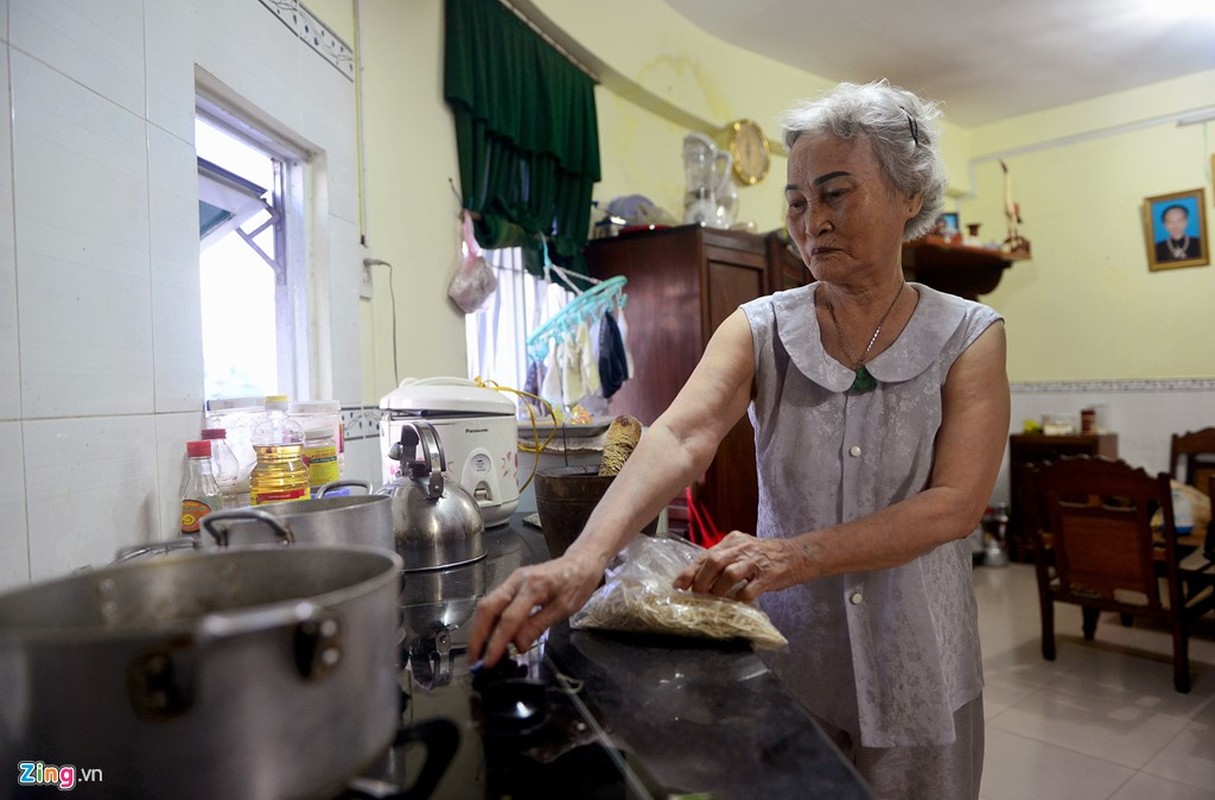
(623, 324)
(588, 365)
(550, 387)
(571, 369)
(613, 366)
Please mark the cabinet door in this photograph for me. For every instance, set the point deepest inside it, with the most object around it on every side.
(730, 490)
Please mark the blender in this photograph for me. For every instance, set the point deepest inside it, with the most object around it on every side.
(707, 171)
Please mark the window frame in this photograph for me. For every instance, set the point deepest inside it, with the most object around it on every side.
(294, 280)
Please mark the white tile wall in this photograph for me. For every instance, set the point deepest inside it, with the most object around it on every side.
(14, 546)
(99, 311)
(10, 385)
(91, 488)
(168, 30)
(176, 315)
(247, 49)
(100, 45)
(1143, 417)
(80, 178)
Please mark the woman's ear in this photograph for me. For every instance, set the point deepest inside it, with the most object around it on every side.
(914, 204)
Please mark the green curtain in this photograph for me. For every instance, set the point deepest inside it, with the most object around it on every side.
(526, 132)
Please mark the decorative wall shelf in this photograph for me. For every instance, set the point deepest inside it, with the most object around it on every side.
(957, 268)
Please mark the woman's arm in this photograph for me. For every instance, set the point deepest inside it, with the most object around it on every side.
(675, 450)
(967, 456)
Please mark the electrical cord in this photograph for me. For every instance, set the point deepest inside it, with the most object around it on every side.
(392, 294)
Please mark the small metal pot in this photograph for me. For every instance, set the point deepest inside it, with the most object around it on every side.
(335, 520)
(256, 672)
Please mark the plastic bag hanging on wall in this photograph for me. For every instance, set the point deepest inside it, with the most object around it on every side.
(474, 281)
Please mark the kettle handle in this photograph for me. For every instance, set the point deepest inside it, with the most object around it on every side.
(432, 463)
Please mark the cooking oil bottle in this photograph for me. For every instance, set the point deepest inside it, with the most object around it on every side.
(278, 441)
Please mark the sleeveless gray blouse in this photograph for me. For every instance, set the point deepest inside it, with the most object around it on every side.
(889, 654)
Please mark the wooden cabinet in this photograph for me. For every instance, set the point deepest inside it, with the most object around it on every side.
(1034, 448)
(682, 283)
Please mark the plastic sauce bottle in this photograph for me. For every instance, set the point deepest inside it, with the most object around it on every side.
(200, 494)
(280, 473)
(226, 469)
(321, 456)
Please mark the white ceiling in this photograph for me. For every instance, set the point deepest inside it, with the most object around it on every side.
(984, 59)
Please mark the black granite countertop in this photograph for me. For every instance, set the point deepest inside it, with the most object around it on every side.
(696, 716)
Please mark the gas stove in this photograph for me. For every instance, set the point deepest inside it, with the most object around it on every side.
(522, 733)
(521, 730)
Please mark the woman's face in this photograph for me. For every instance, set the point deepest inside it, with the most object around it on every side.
(843, 214)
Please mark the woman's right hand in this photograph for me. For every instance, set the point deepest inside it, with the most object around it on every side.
(530, 600)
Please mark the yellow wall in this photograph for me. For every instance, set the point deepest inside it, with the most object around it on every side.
(1085, 306)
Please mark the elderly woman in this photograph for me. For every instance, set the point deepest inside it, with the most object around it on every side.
(880, 411)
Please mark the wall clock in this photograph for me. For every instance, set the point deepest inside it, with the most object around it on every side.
(749, 147)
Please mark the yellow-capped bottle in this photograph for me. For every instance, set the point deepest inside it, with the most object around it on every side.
(278, 441)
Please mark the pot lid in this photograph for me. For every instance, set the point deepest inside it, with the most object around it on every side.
(447, 395)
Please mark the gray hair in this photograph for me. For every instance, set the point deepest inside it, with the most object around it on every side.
(898, 125)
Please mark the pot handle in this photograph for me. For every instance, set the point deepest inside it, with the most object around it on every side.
(316, 633)
(220, 533)
(364, 485)
(162, 681)
(188, 542)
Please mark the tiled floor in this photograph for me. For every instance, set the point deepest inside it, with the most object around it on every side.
(1101, 722)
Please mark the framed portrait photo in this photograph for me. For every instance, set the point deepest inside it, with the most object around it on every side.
(947, 224)
(1175, 230)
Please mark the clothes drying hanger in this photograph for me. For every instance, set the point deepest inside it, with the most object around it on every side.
(586, 305)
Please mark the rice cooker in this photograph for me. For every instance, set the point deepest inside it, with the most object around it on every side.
(478, 432)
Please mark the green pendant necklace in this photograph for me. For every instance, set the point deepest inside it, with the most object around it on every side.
(864, 380)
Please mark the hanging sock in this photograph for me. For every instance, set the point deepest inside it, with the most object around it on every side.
(623, 324)
(613, 366)
(588, 365)
(571, 371)
(550, 387)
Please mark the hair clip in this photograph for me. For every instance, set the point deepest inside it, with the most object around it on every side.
(911, 124)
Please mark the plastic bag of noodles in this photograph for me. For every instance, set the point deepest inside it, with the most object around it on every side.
(637, 596)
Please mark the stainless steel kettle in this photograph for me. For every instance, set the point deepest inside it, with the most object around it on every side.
(436, 524)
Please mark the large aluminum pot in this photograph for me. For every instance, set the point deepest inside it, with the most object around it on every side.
(328, 519)
(258, 672)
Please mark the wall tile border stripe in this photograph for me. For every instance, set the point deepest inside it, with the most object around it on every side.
(1112, 387)
(304, 24)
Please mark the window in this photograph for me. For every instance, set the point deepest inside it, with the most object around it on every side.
(497, 332)
(252, 274)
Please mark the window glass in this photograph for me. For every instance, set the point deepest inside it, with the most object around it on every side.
(248, 325)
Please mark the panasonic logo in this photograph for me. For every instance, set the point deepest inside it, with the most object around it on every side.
(476, 430)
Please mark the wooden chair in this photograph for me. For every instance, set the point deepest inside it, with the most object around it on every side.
(1197, 450)
(1103, 555)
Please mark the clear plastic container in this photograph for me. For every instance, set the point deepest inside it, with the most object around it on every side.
(233, 481)
(314, 414)
(321, 456)
(280, 474)
(237, 416)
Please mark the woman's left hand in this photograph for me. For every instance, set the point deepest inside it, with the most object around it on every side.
(740, 566)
